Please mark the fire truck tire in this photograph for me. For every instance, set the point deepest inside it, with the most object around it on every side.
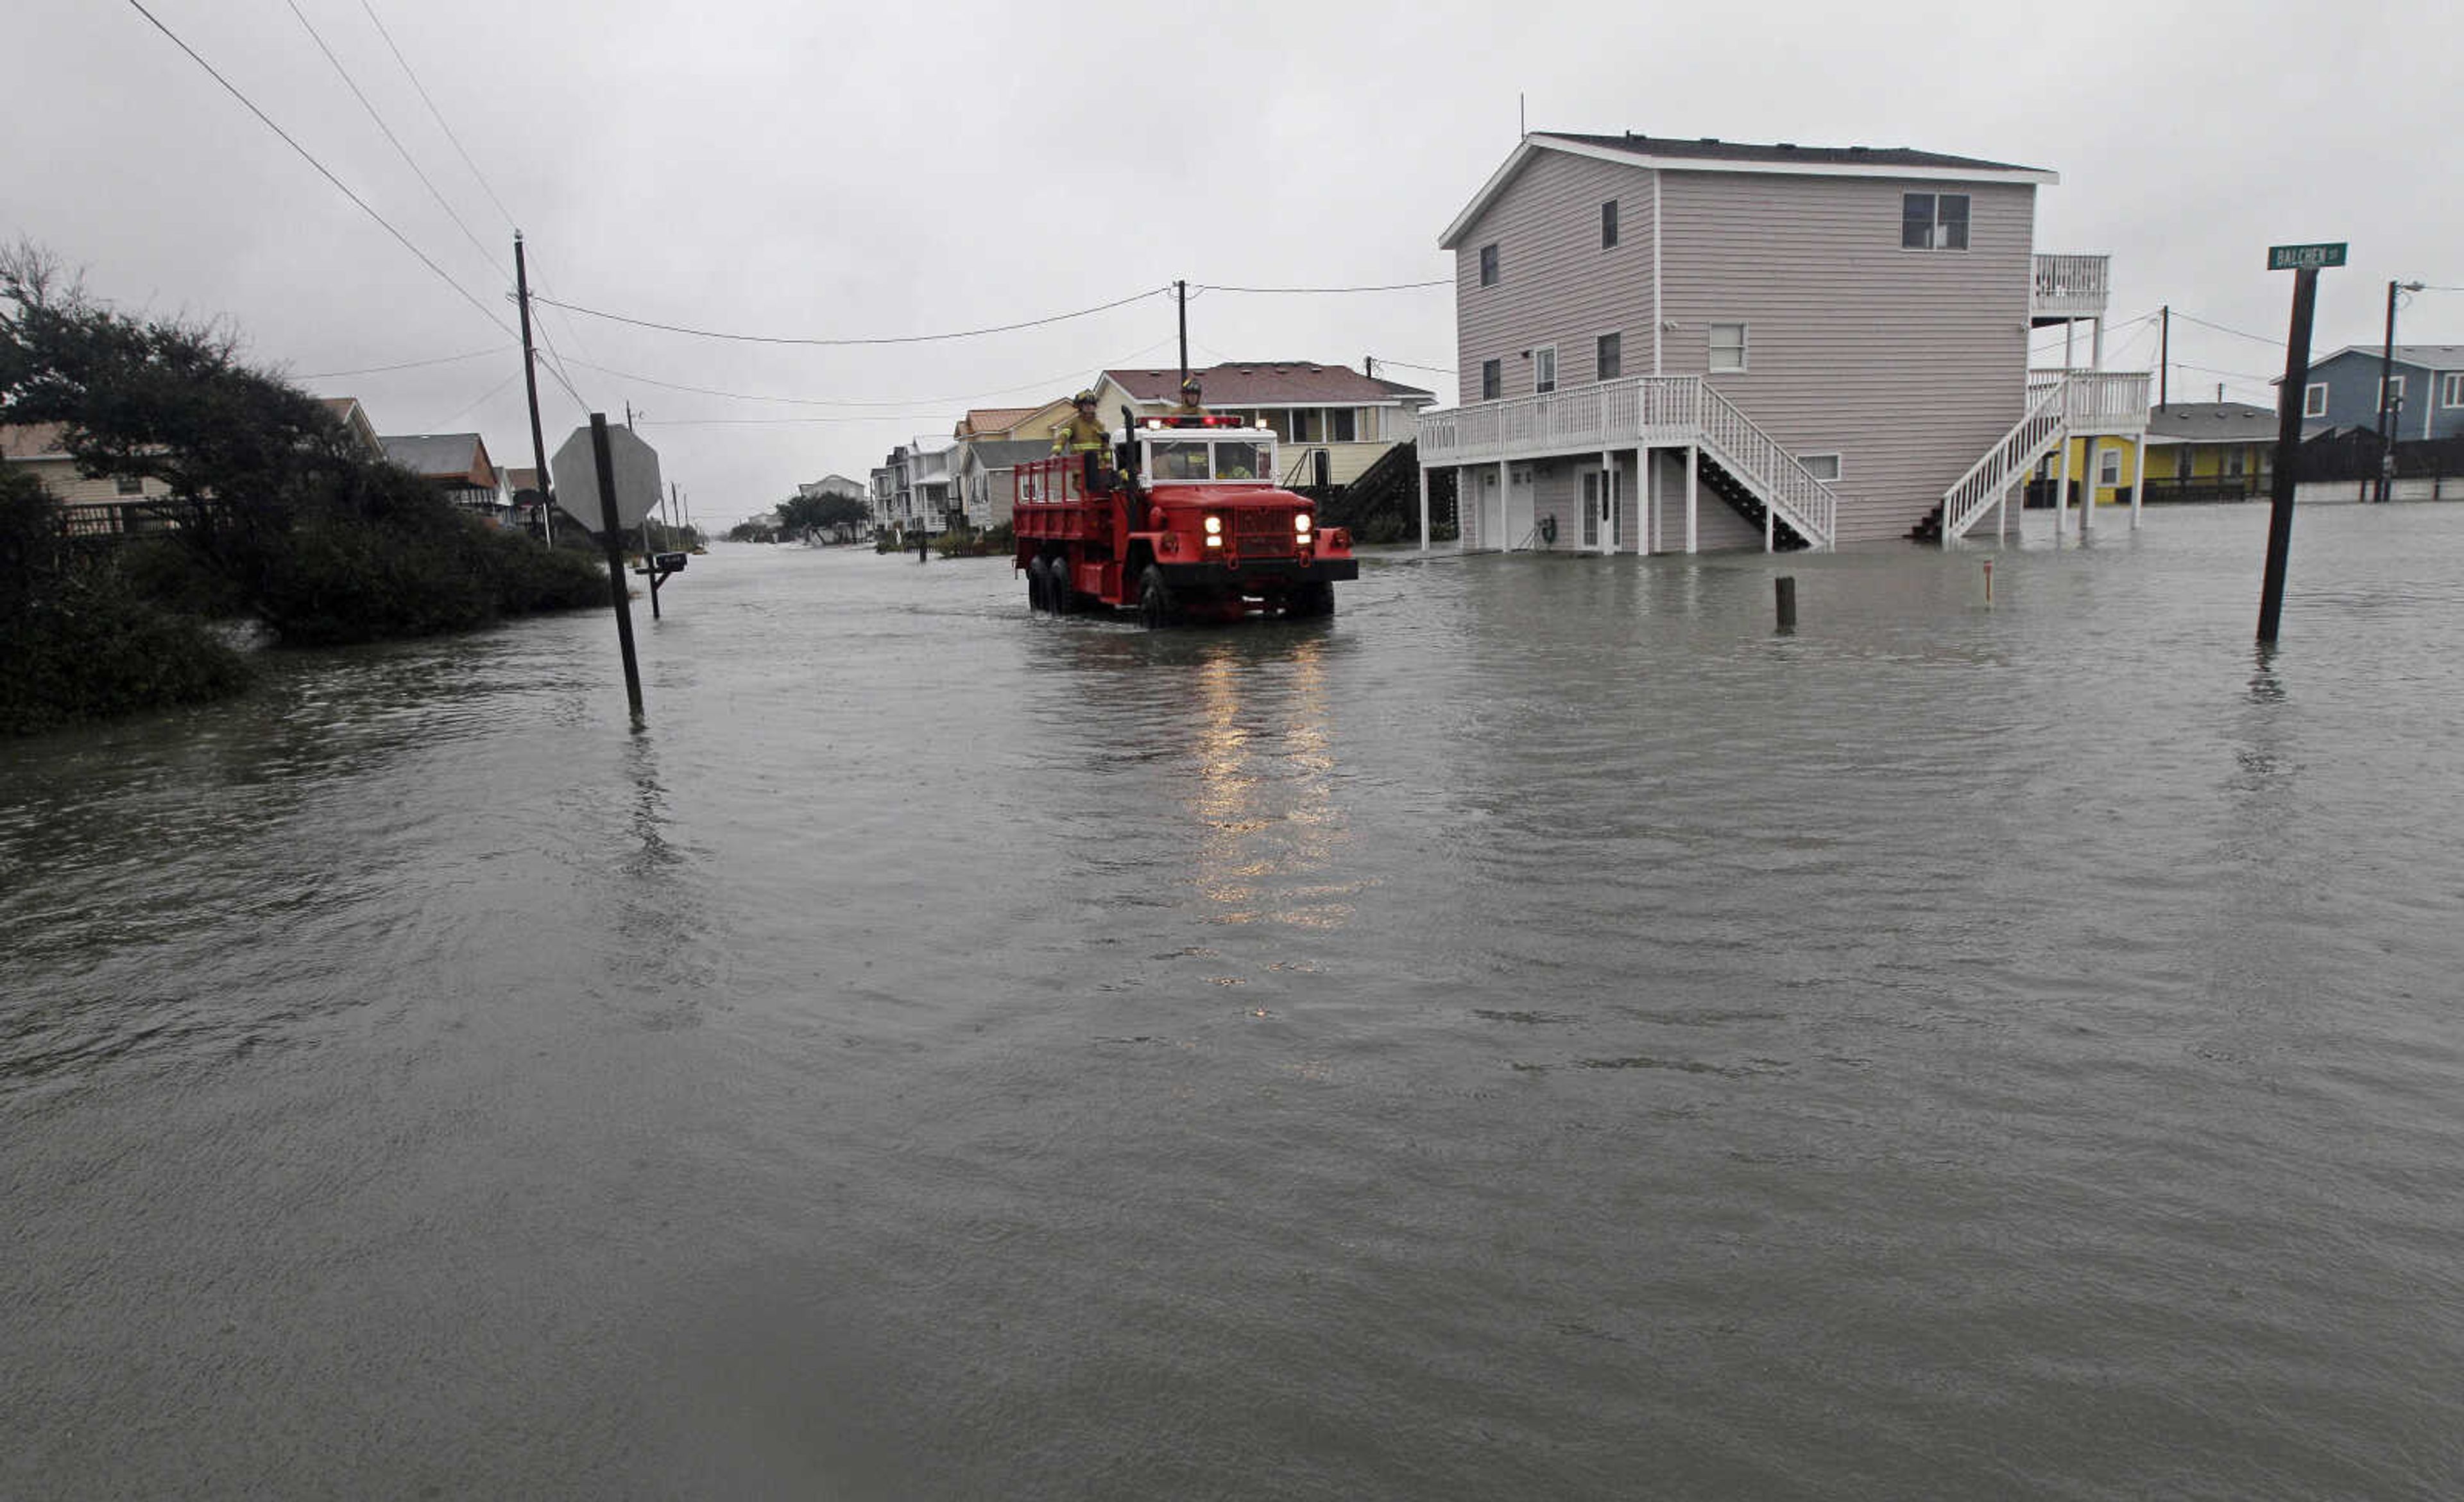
(1060, 595)
(1036, 585)
(1155, 607)
(1310, 601)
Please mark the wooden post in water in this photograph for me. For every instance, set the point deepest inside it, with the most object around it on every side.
(2288, 449)
(1785, 588)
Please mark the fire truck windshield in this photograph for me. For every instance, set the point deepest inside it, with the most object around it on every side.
(1193, 459)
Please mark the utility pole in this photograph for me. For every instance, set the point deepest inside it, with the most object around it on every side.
(628, 417)
(2165, 360)
(1369, 367)
(530, 384)
(2387, 378)
(1181, 292)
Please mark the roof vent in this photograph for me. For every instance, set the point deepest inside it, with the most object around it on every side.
(1710, 141)
(1861, 148)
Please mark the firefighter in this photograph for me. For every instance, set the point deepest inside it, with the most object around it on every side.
(1190, 405)
(1084, 432)
(1084, 435)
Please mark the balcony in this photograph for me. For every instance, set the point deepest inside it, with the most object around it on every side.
(2070, 287)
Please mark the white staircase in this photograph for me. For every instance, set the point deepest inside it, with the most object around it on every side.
(2062, 405)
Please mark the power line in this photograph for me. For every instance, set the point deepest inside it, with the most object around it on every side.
(1391, 286)
(340, 185)
(399, 148)
(1387, 359)
(407, 364)
(895, 338)
(2273, 343)
(478, 401)
(894, 402)
(437, 114)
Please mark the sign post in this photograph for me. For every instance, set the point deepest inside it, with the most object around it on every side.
(611, 537)
(2304, 262)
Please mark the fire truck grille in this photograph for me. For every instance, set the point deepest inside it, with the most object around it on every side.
(1266, 534)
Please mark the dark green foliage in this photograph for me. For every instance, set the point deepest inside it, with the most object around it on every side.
(282, 515)
(78, 641)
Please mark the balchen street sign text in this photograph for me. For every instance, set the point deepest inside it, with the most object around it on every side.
(2306, 257)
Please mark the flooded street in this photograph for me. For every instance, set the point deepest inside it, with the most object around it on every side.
(1537, 1034)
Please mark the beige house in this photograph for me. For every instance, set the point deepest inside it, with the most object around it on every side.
(38, 449)
(1013, 424)
(1667, 345)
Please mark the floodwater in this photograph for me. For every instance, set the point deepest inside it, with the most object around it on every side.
(1539, 1034)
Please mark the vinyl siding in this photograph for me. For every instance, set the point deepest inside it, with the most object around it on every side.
(68, 487)
(1555, 285)
(2352, 382)
(1907, 364)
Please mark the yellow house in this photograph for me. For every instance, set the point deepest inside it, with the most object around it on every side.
(2105, 468)
(2210, 451)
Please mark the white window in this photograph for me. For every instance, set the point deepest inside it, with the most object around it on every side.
(1933, 221)
(2108, 467)
(1824, 467)
(1492, 380)
(2450, 388)
(1608, 223)
(1488, 265)
(2391, 392)
(1727, 348)
(128, 484)
(2314, 400)
(1607, 356)
(1544, 368)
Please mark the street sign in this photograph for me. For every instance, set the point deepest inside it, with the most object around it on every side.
(2306, 257)
(577, 477)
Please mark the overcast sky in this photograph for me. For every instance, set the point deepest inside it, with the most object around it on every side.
(787, 168)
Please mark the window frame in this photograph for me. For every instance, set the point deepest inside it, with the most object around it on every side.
(1492, 380)
(1600, 343)
(1609, 225)
(2388, 384)
(1711, 349)
(1937, 223)
(1838, 465)
(2450, 388)
(2318, 390)
(1545, 354)
(2108, 459)
(1347, 429)
(1490, 265)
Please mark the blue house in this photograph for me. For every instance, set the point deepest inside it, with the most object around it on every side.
(2428, 390)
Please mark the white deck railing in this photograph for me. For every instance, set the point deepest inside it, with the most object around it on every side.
(2075, 286)
(1637, 409)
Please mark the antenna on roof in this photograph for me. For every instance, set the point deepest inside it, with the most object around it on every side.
(1522, 127)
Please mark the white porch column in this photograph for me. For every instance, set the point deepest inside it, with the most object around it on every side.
(2087, 484)
(1643, 501)
(2138, 478)
(1690, 487)
(1424, 508)
(1503, 541)
(2062, 489)
(1608, 501)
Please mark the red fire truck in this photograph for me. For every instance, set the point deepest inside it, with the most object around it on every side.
(1183, 520)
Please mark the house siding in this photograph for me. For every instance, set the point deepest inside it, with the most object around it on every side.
(1556, 284)
(2352, 382)
(1907, 364)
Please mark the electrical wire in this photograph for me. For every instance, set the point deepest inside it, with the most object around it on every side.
(322, 170)
(407, 364)
(1391, 286)
(894, 339)
(437, 114)
(483, 398)
(1386, 359)
(401, 150)
(2273, 343)
(891, 402)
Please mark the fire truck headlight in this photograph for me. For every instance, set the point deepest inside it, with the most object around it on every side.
(1301, 524)
(1214, 526)
(1213, 540)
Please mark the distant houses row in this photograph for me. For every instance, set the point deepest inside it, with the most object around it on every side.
(1334, 424)
(456, 464)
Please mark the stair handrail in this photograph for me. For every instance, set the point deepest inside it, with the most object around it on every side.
(1800, 496)
(1977, 492)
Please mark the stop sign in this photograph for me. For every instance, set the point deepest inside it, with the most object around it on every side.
(576, 465)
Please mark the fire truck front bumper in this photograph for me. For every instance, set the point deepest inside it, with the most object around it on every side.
(1257, 575)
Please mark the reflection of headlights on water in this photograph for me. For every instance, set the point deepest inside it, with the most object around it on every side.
(1301, 524)
(1214, 526)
